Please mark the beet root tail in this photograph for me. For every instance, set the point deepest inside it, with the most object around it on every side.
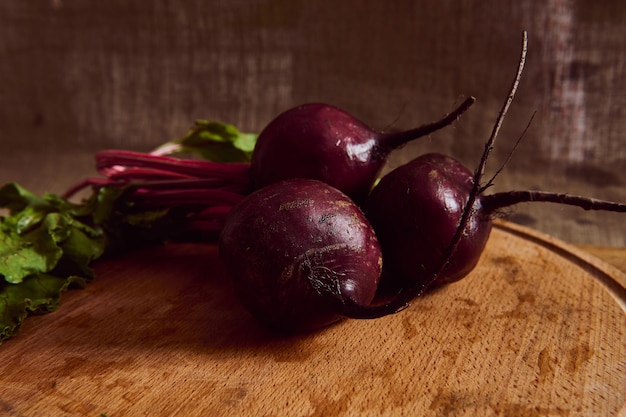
(396, 140)
(491, 203)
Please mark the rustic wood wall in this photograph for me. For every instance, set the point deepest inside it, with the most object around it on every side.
(78, 76)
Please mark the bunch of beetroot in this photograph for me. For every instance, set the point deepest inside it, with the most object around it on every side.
(300, 248)
(318, 242)
(306, 234)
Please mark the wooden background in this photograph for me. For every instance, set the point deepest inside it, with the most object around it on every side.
(78, 76)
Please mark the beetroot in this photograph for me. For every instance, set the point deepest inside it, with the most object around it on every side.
(294, 249)
(429, 196)
(323, 142)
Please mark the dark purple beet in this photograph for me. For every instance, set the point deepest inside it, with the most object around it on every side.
(294, 248)
(415, 210)
(418, 208)
(323, 142)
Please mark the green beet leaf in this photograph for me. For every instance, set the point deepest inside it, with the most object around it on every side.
(28, 253)
(214, 141)
(39, 293)
(17, 199)
(45, 247)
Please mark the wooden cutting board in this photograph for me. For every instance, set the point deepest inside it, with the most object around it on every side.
(538, 329)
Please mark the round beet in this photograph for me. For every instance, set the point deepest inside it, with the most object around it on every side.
(418, 208)
(297, 248)
(433, 221)
(323, 142)
(415, 210)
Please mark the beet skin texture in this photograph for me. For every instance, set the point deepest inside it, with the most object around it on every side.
(415, 210)
(295, 249)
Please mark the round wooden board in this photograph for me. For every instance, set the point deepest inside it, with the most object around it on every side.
(538, 329)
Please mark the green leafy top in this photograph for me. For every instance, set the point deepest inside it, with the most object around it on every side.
(213, 141)
(45, 246)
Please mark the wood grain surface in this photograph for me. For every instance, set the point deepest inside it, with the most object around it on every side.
(536, 330)
(609, 254)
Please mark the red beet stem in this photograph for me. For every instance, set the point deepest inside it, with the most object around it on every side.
(213, 212)
(116, 160)
(209, 220)
(88, 182)
(153, 179)
(123, 167)
(146, 174)
(180, 197)
(397, 139)
(493, 202)
(188, 184)
(213, 226)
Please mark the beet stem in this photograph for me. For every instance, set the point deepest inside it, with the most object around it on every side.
(397, 139)
(489, 145)
(88, 182)
(116, 160)
(477, 189)
(179, 197)
(189, 184)
(496, 201)
(509, 156)
(132, 173)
